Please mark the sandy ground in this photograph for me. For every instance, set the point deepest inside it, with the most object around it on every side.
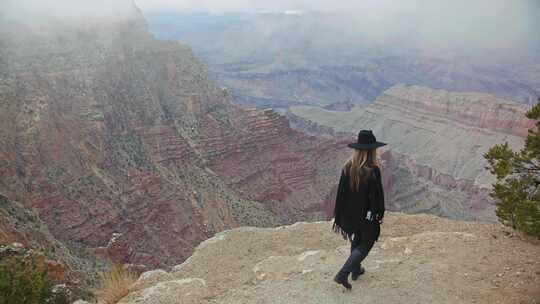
(418, 259)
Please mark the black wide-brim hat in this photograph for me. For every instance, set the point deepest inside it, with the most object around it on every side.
(366, 141)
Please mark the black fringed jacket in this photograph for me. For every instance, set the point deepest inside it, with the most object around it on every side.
(352, 207)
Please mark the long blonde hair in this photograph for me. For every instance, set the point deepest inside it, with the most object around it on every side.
(359, 165)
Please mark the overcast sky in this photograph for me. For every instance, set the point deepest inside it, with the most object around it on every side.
(490, 22)
(499, 11)
(479, 6)
(249, 5)
(494, 22)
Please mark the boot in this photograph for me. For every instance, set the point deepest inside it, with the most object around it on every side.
(355, 275)
(343, 280)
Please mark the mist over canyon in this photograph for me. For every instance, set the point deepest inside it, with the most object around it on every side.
(276, 59)
(132, 137)
(441, 95)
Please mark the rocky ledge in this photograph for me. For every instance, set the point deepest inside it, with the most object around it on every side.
(418, 259)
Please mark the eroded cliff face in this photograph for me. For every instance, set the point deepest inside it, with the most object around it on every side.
(78, 106)
(436, 142)
(471, 109)
(122, 144)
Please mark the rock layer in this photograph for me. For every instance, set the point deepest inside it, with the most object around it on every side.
(121, 143)
(436, 144)
(472, 109)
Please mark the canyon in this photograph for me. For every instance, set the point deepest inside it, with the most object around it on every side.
(119, 147)
(317, 58)
(122, 145)
(434, 160)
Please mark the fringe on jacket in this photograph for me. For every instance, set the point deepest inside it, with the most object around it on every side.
(344, 234)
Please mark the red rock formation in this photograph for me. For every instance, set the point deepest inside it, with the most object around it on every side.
(271, 163)
(121, 143)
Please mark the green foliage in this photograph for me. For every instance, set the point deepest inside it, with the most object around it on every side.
(532, 144)
(24, 280)
(517, 189)
(500, 159)
(128, 151)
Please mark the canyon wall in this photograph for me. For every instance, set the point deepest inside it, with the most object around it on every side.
(472, 109)
(122, 145)
(436, 144)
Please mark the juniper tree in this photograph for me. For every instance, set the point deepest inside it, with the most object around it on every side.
(517, 187)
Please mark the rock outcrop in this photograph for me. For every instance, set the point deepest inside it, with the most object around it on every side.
(122, 144)
(418, 259)
(436, 144)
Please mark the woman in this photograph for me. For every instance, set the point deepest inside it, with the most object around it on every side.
(359, 208)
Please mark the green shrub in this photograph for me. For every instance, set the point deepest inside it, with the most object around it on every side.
(23, 280)
(517, 189)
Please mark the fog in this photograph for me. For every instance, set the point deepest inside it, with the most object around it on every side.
(501, 25)
(387, 7)
(73, 10)
(496, 23)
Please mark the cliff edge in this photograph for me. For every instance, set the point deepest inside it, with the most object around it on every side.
(418, 259)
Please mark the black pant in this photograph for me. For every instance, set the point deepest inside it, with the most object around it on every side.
(361, 244)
